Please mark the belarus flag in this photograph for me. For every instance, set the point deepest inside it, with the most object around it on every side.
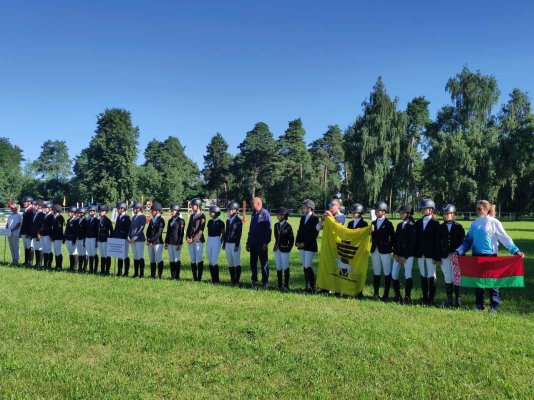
(488, 272)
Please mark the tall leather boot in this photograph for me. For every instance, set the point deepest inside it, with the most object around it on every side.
(387, 285)
(424, 289)
(286, 279)
(396, 289)
(279, 275)
(141, 268)
(38, 259)
(232, 275)
(108, 265)
(126, 266)
(237, 274)
(458, 296)
(307, 285)
(178, 268)
(30, 257)
(136, 268)
(71, 263)
(153, 270)
(194, 271)
(431, 290)
(91, 264)
(212, 273)
(96, 264)
(160, 269)
(50, 260)
(200, 270)
(408, 291)
(83, 264)
(376, 287)
(59, 262)
(26, 256)
(120, 263)
(172, 267)
(448, 292)
(102, 265)
(312, 279)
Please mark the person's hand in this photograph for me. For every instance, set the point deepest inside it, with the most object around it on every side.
(248, 247)
(264, 247)
(236, 248)
(189, 241)
(402, 260)
(455, 253)
(300, 245)
(38, 237)
(372, 228)
(224, 246)
(178, 247)
(166, 246)
(328, 213)
(396, 257)
(520, 254)
(436, 262)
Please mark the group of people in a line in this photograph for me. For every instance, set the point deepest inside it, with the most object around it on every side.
(44, 230)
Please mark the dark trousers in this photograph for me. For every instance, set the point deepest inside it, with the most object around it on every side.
(256, 252)
(495, 298)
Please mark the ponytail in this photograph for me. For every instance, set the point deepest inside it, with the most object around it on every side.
(488, 206)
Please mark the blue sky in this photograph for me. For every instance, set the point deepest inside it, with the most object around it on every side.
(191, 69)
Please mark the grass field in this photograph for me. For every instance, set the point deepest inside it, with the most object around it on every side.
(79, 336)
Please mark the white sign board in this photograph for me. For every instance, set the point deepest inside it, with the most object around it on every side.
(116, 247)
(5, 232)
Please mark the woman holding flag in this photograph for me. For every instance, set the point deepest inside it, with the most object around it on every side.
(483, 239)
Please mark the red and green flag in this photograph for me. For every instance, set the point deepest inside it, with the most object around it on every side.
(488, 272)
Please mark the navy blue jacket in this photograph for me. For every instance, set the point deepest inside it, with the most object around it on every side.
(260, 228)
(450, 241)
(37, 224)
(27, 221)
(57, 227)
(383, 238)
(122, 226)
(427, 239)
(105, 229)
(307, 233)
(154, 232)
(175, 231)
(233, 230)
(71, 231)
(405, 240)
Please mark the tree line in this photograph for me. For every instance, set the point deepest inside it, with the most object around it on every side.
(467, 152)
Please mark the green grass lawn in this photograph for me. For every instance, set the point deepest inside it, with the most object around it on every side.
(79, 336)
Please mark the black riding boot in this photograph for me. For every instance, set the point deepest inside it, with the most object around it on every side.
(126, 266)
(141, 268)
(194, 271)
(200, 270)
(102, 265)
(120, 263)
(136, 268)
(424, 289)
(160, 269)
(458, 296)
(237, 274)
(232, 275)
(448, 291)
(279, 274)
(91, 264)
(38, 260)
(153, 270)
(396, 289)
(286, 279)
(59, 262)
(96, 265)
(376, 287)
(212, 273)
(431, 290)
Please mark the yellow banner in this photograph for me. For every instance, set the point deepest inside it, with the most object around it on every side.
(344, 258)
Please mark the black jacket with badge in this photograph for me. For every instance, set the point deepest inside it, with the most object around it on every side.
(122, 227)
(233, 230)
(428, 240)
(307, 233)
(382, 238)
(92, 227)
(27, 221)
(283, 237)
(105, 229)
(175, 231)
(57, 227)
(48, 221)
(405, 240)
(361, 224)
(450, 241)
(71, 230)
(154, 231)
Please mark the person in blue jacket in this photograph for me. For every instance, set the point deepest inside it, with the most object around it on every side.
(483, 239)
(259, 236)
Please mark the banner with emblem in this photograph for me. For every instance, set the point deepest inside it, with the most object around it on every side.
(344, 258)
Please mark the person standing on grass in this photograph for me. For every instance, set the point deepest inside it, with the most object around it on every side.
(283, 243)
(483, 239)
(122, 227)
(136, 239)
(105, 231)
(382, 240)
(71, 233)
(232, 240)
(80, 239)
(427, 250)
(46, 231)
(174, 240)
(357, 222)
(195, 238)
(154, 239)
(451, 235)
(57, 236)
(91, 240)
(36, 227)
(259, 237)
(403, 253)
(14, 223)
(306, 242)
(26, 229)
(215, 241)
